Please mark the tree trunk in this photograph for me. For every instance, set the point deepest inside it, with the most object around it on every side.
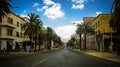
(85, 41)
(80, 40)
(35, 45)
(39, 47)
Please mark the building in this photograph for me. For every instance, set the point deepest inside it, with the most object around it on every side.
(11, 34)
(103, 32)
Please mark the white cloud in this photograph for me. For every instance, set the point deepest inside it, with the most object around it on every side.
(45, 7)
(51, 9)
(35, 4)
(80, 6)
(38, 9)
(41, 9)
(54, 11)
(23, 15)
(98, 12)
(24, 11)
(77, 22)
(78, 1)
(48, 2)
(65, 31)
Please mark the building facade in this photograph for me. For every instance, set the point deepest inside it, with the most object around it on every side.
(11, 34)
(103, 32)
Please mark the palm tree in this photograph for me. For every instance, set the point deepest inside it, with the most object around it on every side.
(87, 29)
(4, 8)
(57, 40)
(37, 30)
(32, 28)
(84, 28)
(79, 31)
(41, 37)
(49, 35)
(72, 41)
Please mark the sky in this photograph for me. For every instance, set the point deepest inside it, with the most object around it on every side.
(61, 14)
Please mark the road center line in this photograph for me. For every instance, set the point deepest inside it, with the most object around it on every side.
(43, 60)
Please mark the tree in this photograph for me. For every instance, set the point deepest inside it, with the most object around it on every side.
(115, 22)
(79, 31)
(4, 8)
(32, 28)
(49, 34)
(87, 29)
(115, 16)
(41, 37)
(57, 40)
(72, 41)
(37, 30)
(84, 28)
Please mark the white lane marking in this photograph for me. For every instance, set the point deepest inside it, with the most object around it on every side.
(43, 60)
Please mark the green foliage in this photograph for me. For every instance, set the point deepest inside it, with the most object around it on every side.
(4, 8)
(115, 16)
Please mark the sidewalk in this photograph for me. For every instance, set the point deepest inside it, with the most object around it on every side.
(27, 53)
(102, 55)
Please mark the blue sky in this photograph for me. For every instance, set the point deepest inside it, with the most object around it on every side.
(61, 14)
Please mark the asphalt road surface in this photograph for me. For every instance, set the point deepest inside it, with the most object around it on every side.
(59, 58)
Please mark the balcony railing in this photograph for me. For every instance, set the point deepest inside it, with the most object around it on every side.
(8, 25)
(7, 37)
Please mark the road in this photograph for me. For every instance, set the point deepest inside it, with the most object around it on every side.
(59, 58)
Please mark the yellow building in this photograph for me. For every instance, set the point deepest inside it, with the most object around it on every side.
(11, 34)
(103, 32)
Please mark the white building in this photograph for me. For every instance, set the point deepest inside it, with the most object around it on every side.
(11, 34)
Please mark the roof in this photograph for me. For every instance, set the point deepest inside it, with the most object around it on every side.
(100, 15)
(18, 16)
(88, 19)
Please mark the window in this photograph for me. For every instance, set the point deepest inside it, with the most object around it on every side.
(17, 34)
(17, 24)
(21, 24)
(10, 20)
(93, 26)
(9, 32)
(20, 34)
(98, 24)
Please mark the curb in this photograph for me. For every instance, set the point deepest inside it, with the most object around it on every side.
(26, 53)
(95, 56)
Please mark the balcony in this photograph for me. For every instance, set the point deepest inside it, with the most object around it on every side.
(7, 37)
(8, 25)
